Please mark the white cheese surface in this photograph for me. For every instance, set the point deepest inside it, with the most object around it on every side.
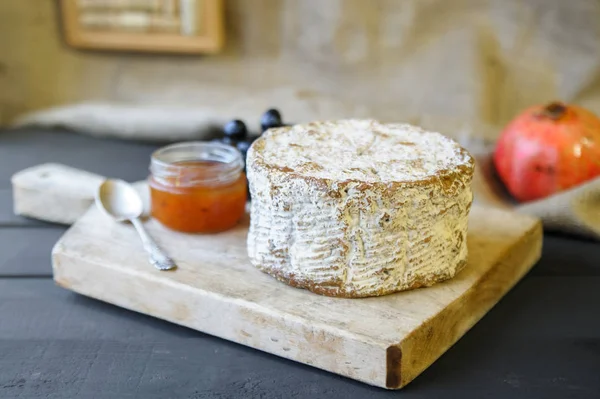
(363, 150)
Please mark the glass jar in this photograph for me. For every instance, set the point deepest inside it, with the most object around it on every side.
(197, 187)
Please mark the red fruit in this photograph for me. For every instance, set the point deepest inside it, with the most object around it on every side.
(547, 149)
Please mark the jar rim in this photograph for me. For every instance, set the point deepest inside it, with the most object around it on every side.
(164, 161)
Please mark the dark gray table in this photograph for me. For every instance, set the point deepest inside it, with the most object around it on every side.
(541, 341)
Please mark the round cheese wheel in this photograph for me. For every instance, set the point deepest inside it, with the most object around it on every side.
(357, 208)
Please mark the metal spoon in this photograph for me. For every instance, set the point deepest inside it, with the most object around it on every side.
(119, 200)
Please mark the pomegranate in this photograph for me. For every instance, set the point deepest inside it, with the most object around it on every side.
(547, 149)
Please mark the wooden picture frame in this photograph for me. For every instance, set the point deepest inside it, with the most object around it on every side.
(200, 29)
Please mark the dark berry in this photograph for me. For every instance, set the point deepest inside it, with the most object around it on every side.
(225, 140)
(235, 130)
(243, 147)
(271, 118)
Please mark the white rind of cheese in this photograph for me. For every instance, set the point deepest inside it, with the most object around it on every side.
(357, 208)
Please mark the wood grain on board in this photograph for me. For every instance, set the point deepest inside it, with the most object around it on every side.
(385, 341)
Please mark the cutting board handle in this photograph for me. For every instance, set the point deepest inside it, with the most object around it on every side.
(53, 192)
(58, 193)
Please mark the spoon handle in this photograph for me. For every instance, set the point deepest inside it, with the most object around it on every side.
(157, 257)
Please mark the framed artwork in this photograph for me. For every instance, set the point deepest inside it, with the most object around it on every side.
(176, 26)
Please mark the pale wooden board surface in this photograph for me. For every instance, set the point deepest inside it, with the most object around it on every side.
(54, 192)
(215, 290)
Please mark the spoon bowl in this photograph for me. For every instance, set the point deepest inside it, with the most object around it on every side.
(119, 200)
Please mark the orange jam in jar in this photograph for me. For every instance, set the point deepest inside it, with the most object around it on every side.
(197, 187)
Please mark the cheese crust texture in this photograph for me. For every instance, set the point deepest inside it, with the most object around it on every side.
(357, 208)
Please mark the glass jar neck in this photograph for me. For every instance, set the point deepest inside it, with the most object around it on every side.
(196, 163)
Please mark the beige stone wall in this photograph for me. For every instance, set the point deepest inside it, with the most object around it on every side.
(460, 60)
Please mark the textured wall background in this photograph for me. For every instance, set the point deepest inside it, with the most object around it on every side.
(473, 61)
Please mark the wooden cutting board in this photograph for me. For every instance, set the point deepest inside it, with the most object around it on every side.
(385, 341)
